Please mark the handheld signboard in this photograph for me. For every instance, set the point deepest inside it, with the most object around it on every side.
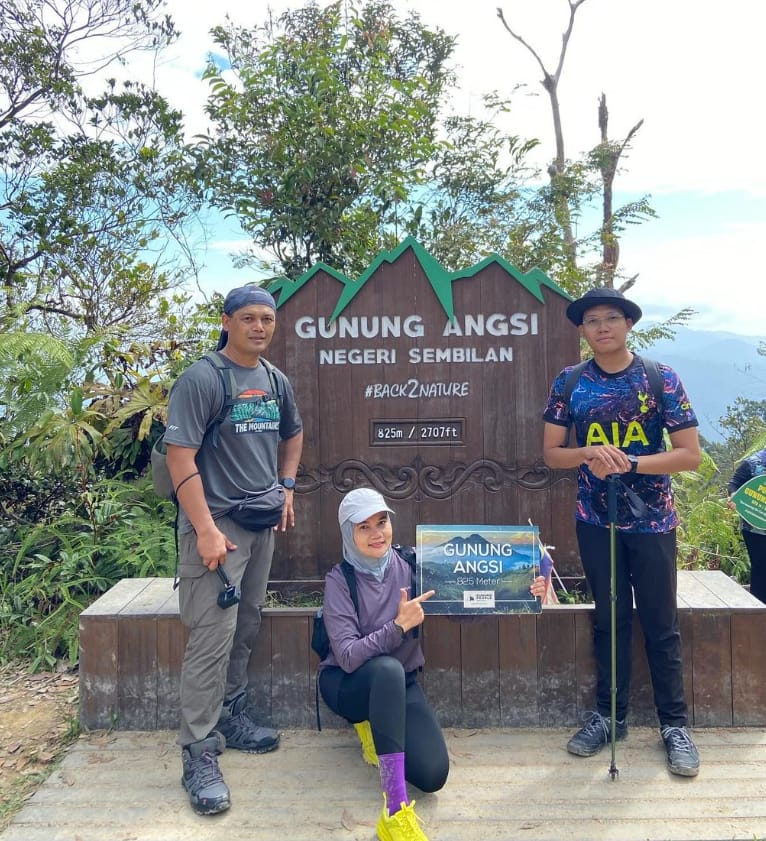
(478, 569)
(750, 501)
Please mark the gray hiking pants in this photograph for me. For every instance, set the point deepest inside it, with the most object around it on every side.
(220, 641)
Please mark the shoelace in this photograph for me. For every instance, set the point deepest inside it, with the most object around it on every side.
(679, 739)
(206, 769)
(597, 722)
(407, 823)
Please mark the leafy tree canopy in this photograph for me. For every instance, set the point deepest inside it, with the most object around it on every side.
(323, 120)
(92, 187)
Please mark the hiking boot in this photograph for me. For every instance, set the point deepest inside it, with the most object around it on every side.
(242, 733)
(594, 734)
(202, 778)
(683, 758)
(401, 826)
(369, 754)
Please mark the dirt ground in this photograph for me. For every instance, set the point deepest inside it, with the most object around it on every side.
(38, 719)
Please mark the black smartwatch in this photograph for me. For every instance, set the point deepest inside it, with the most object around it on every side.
(633, 464)
(287, 483)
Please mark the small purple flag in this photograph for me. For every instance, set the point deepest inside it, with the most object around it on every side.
(546, 564)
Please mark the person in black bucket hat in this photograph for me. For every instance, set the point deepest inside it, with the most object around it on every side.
(618, 406)
(603, 296)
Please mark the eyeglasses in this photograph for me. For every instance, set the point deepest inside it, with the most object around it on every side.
(609, 321)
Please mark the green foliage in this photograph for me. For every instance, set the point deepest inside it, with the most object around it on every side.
(330, 123)
(93, 188)
(473, 202)
(54, 568)
(708, 537)
(745, 423)
(80, 419)
(573, 596)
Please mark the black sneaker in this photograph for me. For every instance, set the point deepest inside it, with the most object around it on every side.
(683, 758)
(594, 734)
(242, 733)
(202, 778)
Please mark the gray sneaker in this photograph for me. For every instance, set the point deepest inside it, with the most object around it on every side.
(594, 734)
(202, 778)
(683, 758)
(242, 733)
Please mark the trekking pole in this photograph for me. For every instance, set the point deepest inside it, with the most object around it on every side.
(612, 516)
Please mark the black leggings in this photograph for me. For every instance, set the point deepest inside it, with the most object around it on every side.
(400, 717)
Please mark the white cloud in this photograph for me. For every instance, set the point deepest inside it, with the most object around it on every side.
(720, 276)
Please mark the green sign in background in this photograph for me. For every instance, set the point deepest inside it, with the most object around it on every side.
(750, 501)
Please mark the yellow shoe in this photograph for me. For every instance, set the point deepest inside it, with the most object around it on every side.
(402, 826)
(368, 744)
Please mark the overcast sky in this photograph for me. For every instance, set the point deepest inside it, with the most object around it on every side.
(691, 69)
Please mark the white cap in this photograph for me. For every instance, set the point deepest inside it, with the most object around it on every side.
(359, 504)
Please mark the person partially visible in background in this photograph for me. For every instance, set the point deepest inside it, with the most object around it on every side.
(755, 539)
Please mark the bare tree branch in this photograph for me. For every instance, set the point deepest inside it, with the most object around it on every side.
(557, 168)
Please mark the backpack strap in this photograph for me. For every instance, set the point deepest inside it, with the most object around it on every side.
(656, 380)
(571, 381)
(569, 384)
(271, 370)
(229, 390)
(409, 555)
(350, 576)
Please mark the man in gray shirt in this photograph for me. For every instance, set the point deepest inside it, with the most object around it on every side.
(224, 474)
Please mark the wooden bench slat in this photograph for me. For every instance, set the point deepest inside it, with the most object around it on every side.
(118, 596)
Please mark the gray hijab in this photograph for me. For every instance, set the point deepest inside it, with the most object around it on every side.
(355, 507)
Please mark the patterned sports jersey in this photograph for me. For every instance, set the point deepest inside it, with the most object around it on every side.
(620, 409)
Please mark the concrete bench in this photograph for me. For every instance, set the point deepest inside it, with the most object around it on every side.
(481, 671)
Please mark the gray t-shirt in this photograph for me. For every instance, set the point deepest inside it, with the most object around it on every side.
(244, 460)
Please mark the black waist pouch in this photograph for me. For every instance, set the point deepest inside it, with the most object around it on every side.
(259, 511)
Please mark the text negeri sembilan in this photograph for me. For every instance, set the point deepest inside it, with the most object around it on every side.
(356, 328)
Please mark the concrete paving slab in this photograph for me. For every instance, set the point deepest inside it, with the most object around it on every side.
(503, 785)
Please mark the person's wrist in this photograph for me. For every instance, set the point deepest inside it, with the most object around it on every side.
(400, 629)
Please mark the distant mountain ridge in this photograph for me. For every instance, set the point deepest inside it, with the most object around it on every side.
(716, 368)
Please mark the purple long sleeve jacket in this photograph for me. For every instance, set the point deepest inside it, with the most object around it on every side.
(354, 639)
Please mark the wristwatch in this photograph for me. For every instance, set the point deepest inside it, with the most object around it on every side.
(633, 464)
(287, 483)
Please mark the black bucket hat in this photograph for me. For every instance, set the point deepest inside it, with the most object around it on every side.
(596, 297)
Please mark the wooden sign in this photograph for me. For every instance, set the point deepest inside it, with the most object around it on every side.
(428, 386)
